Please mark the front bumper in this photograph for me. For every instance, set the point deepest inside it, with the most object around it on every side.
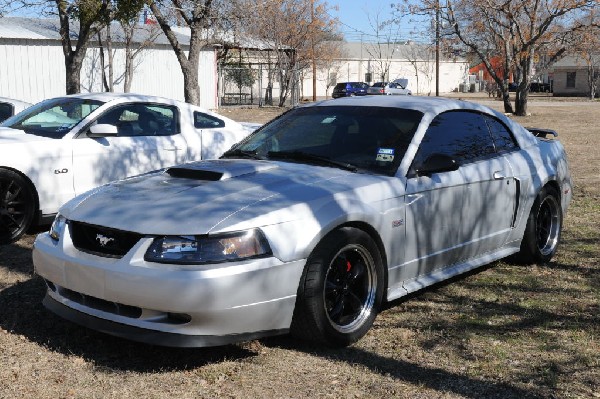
(164, 304)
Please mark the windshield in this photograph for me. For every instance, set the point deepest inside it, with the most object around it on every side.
(369, 139)
(52, 118)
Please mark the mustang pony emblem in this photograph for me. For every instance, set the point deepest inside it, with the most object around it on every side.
(103, 240)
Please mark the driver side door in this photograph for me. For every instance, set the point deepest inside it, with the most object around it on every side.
(148, 138)
(457, 215)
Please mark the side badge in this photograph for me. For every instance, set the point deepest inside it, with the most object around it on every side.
(397, 223)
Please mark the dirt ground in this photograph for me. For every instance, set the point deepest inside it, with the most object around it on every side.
(505, 331)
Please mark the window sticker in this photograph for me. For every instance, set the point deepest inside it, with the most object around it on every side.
(63, 127)
(385, 154)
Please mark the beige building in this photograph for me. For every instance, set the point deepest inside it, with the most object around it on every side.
(570, 75)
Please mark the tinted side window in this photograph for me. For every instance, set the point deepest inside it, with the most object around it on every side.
(205, 121)
(142, 119)
(6, 111)
(503, 139)
(459, 134)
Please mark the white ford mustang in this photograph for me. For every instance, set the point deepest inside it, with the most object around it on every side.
(307, 225)
(65, 146)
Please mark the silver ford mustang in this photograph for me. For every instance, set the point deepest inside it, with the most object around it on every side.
(307, 225)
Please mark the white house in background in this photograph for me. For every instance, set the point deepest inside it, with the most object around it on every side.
(367, 62)
(32, 66)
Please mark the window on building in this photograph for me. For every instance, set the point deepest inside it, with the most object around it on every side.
(571, 79)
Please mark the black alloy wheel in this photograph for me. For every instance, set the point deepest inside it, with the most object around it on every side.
(341, 289)
(543, 229)
(350, 288)
(548, 224)
(17, 206)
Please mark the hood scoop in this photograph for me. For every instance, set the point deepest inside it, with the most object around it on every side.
(194, 174)
(215, 170)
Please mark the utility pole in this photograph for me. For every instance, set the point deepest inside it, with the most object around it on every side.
(312, 47)
(437, 48)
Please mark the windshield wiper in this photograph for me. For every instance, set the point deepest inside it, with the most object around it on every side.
(305, 156)
(237, 153)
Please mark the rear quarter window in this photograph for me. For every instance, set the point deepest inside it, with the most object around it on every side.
(504, 141)
(6, 111)
(206, 121)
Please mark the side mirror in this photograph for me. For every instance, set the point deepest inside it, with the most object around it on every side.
(102, 130)
(436, 163)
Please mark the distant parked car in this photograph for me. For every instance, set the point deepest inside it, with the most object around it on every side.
(540, 87)
(398, 87)
(9, 107)
(377, 88)
(349, 89)
(64, 146)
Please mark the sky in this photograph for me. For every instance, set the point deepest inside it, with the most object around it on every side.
(354, 16)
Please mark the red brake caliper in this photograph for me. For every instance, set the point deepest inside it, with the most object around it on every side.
(348, 266)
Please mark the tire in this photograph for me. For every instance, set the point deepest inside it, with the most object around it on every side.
(544, 225)
(341, 289)
(17, 206)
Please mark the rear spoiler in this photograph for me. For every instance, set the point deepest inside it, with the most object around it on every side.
(542, 133)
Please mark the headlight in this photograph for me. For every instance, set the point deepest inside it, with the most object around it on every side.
(58, 227)
(208, 249)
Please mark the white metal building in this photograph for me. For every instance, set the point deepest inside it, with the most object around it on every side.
(32, 65)
(364, 62)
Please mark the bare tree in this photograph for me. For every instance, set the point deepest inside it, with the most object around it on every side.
(135, 38)
(386, 34)
(329, 64)
(133, 50)
(586, 48)
(515, 30)
(88, 17)
(298, 30)
(197, 16)
(92, 16)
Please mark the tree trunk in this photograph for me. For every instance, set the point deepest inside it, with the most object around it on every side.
(191, 87)
(73, 74)
(128, 70)
(521, 102)
(111, 61)
(506, 98)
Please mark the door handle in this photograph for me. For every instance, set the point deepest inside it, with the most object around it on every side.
(499, 175)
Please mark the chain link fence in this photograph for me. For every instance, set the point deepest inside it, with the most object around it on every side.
(255, 84)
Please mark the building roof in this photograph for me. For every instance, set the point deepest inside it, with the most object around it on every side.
(49, 29)
(392, 51)
(571, 61)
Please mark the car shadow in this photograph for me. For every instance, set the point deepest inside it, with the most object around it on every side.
(22, 313)
(401, 370)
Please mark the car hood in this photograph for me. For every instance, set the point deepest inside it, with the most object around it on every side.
(402, 81)
(250, 126)
(218, 195)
